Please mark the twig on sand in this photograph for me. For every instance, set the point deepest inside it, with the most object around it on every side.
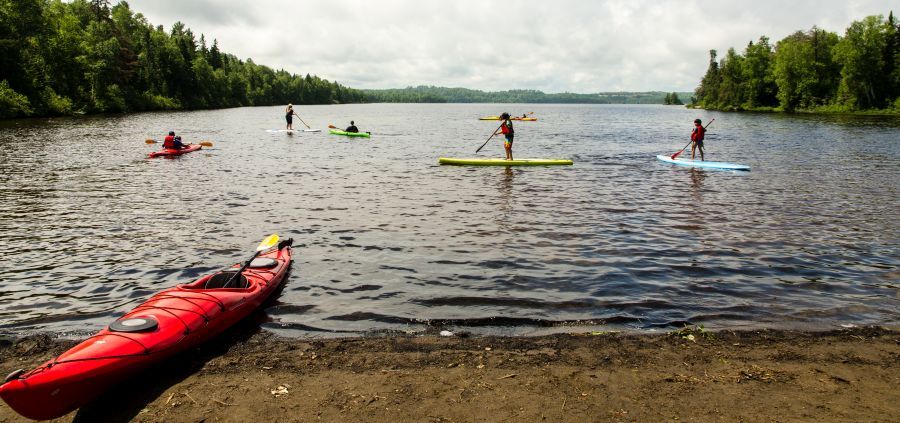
(170, 398)
(563, 408)
(508, 376)
(221, 402)
(191, 398)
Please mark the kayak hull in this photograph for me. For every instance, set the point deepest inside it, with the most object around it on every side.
(185, 316)
(349, 134)
(168, 152)
(701, 163)
(503, 162)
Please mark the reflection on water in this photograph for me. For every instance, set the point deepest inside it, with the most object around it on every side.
(505, 190)
(388, 240)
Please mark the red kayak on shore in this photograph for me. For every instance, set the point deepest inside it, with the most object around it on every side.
(171, 321)
(175, 152)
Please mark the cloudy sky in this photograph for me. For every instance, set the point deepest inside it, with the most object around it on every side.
(554, 46)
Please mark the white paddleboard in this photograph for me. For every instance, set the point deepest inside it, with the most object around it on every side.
(701, 163)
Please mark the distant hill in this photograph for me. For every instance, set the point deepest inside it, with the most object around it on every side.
(432, 94)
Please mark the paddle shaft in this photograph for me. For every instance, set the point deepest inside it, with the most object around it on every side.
(689, 143)
(489, 138)
(203, 143)
(301, 120)
(241, 270)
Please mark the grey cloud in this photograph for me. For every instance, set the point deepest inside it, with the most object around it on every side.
(567, 45)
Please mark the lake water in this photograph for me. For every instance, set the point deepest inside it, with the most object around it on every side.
(388, 240)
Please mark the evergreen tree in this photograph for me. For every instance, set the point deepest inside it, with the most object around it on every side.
(60, 57)
(708, 92)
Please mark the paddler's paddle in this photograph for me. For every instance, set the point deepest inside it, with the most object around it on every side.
(689, 143)
(203, 143)
(301, 120)
(267, 243)
(489, 138)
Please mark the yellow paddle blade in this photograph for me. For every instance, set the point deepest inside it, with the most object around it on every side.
(149, 141)
(206, 143)
(267, 243)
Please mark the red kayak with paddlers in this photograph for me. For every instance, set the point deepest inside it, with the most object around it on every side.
(171, 321)
(175, 152)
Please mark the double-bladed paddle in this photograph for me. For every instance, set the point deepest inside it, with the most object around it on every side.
(339, 129)
(267, 243)
(689, 143)
(203, 143)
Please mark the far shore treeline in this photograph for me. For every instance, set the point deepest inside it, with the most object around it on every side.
(79, 56)
(431, 94)
(815, 70)
(85, 56)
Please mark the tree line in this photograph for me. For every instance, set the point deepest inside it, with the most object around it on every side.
(432, 94)
(84, 56)
(813, 70)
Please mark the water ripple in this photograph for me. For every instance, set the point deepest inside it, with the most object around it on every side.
(387, 240)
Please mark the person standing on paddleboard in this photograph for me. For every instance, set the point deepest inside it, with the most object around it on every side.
(506, 128)
(289, 116)
(697, 136)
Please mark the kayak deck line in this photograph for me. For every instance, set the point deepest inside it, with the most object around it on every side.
(503, 162)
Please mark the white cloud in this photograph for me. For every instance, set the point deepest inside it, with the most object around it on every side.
(576, 46)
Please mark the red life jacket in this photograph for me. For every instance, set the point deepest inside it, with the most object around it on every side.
(507, 128)
(169, 141)
(698, 133)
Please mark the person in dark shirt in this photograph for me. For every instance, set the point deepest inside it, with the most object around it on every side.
(352, 128)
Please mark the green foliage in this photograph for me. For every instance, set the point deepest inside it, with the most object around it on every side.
(431, 94)
(56, 104)
(12, 103)
(814, 70)
(672, 99)
(63, 57)
(860, 52)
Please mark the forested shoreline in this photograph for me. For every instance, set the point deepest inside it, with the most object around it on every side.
(432, 94)
(814, 71)
(85, 56)
(62, 58)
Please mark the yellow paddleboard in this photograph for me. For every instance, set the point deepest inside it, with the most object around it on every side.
(502, 162)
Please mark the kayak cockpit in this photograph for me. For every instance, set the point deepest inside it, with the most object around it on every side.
(226, 279)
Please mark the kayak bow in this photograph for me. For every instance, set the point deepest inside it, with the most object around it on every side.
(171, 321)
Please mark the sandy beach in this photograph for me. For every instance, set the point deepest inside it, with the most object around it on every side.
(688, 375)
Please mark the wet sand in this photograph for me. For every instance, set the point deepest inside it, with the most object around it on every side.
(252, 375)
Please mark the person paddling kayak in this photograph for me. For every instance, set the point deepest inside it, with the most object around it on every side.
(697, 136)
(172, 142)
(352, 128)
(506, 128)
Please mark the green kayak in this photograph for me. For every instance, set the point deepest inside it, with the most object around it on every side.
(349, 134)
(503, 162)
